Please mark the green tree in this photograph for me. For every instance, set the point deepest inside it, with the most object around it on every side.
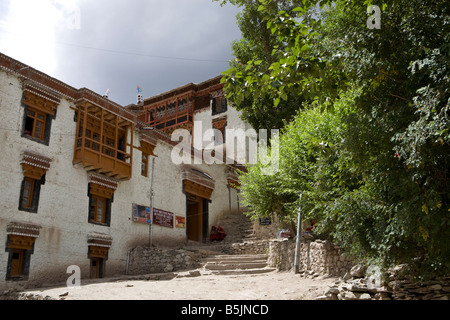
(255, 51)
(383, 191)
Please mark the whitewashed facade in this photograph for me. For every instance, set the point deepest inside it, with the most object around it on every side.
(51, 215)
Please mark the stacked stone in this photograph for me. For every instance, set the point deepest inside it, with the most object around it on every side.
(428, 290)
(405, 288)
(251, 247)
(281, 254)
(358, 285)
(316, 257)
(158, 260)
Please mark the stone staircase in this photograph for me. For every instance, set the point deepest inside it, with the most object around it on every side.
(237, 264)
(221, 258)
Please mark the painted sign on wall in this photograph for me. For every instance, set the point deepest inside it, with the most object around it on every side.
(162, 218)
(141, 214)
(180, 222)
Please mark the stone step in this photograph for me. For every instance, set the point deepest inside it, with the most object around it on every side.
(237, 258)
(235, 266)
(243, 272)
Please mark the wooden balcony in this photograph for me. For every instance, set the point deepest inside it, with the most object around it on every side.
(104, 142)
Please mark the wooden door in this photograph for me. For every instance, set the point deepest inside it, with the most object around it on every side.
(17, 263)
(192, 221)
(96, 267)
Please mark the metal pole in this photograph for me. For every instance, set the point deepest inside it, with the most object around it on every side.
(299, 235)
(151, 204)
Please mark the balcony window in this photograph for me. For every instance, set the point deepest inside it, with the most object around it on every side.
(102, 142)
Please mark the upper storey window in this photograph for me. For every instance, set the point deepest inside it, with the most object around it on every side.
(40, 109)
(219, 105)
(35, 122)
(218, 102)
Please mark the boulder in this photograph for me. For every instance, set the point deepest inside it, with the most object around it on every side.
(358, 271)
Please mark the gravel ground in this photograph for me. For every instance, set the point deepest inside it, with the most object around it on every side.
(267, 286)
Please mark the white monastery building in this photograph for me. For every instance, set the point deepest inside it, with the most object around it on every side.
(78, 170)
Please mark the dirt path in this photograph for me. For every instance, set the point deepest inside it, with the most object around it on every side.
(269, 286)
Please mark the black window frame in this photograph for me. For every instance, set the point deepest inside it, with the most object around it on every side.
(108, 204)
(36, 194)
(47, 129)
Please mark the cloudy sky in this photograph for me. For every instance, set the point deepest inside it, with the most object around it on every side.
(118, 45)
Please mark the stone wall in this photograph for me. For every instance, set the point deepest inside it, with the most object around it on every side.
(251, 247)
(316, 257)
(143, 260)
(363, 283)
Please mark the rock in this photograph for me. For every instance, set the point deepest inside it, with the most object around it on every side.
(65, 293)
(381, 296)
(435, 287)
(322, 298)
(348, 295)
(168, 268)
(195, 273)
(332, 290)
(358, 288)
(364, 296)
(358, 271)
(347, 276)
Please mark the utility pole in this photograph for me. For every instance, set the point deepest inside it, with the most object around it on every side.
(151, 205)
(150, 235)
(299, 235)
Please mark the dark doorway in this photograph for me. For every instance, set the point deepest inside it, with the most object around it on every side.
(194, 218)
(197, 218)
(97, 265)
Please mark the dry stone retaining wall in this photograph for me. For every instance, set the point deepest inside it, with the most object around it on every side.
(361, 284)
(316, 257)
(157, 260)
(251, 247)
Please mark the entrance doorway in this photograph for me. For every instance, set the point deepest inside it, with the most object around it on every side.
(17, 263)
(197, 213)
(97, 265)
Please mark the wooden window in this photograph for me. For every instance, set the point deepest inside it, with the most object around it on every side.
(97, 209)
(109, 151)
(100, 199)
(29, 194)
(35, 123)
(144, 165)
(219, 105)
(95, 146)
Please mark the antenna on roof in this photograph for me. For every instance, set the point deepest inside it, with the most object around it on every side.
(140, 98)
(106, 94)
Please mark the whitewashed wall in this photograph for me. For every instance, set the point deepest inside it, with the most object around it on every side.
(63, 203)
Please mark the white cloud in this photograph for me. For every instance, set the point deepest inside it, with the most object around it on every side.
(29, 30)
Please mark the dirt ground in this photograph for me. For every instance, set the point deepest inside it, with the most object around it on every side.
(268, 286)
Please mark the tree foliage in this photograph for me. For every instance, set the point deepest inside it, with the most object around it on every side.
(254, 53)
(370, 150)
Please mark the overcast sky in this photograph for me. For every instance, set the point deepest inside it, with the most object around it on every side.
(118, 45)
